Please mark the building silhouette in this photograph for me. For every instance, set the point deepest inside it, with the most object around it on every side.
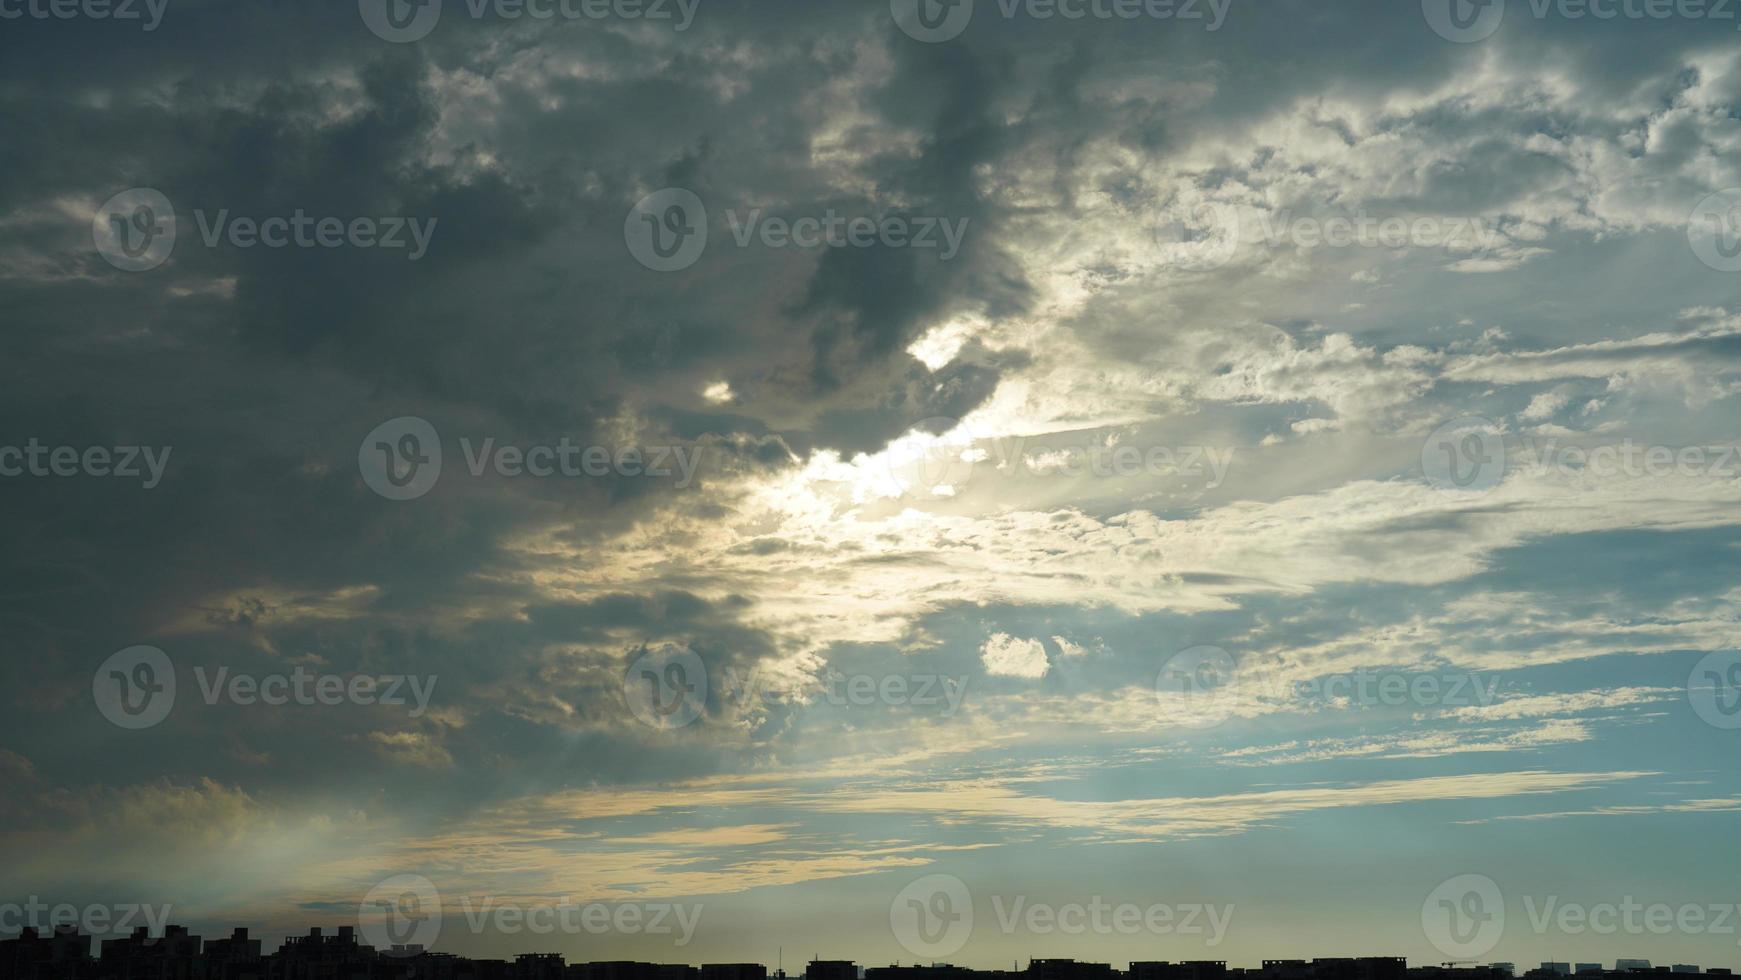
(1188, 970)
(32, 956)
(65, 954)
(173, 956)
(831, 970)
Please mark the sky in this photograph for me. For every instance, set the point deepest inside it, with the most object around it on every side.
(756, 479)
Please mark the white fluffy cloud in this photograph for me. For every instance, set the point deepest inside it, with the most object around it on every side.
(1009, 656)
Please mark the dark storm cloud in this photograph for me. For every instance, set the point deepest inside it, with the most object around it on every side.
(510, 319)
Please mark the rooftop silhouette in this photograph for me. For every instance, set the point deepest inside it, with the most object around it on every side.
(176, 955)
